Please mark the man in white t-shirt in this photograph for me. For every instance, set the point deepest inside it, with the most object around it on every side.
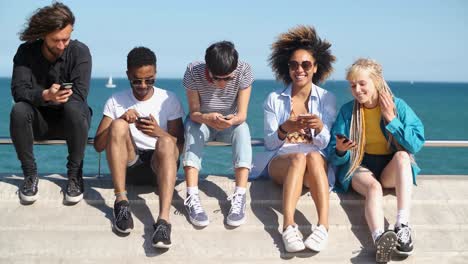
(142, 133)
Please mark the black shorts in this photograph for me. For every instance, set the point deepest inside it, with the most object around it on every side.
(376, 163)
(141, 172)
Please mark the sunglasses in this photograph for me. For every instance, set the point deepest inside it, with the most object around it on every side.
(306, 65)
(140, 81)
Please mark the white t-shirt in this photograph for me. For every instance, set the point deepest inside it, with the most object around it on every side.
(163, 105)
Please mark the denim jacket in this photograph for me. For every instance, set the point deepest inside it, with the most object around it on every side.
(277, 109)
(406, 128)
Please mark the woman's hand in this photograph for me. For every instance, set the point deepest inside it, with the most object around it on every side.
(311, 121)
(343, 144)
(293, 124)
(387, 106)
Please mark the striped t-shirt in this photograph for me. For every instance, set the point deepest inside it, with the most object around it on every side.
(212, 98)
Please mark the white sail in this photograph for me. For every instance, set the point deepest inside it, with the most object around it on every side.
(109, 83)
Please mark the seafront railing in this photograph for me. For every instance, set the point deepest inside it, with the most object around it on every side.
(256, 142)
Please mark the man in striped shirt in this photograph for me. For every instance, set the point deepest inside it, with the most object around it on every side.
(218, 92)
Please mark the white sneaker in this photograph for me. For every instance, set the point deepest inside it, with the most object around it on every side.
(318, 240)
(292, 239)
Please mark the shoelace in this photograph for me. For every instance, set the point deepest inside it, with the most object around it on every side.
(29, 183)
(404, 234)
(293, 236)
(236, 203)
(124, 212)
(163, 230)
(193, 202)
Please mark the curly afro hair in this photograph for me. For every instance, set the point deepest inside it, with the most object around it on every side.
(301, 37)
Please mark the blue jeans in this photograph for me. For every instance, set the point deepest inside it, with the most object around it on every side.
(196, 135)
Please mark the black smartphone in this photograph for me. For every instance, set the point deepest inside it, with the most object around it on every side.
(64, 86)
(227, 117)
(341, 136)
(143, 117)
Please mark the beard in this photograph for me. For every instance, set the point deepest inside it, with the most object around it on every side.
(142, 93)
(53, 51)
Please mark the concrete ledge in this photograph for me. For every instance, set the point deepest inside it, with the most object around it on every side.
(50, 232)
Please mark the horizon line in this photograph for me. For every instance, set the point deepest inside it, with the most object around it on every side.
(265, 79)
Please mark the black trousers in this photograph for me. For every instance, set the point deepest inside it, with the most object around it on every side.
(70, 122)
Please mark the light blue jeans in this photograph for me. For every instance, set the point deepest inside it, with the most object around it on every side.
(196, 135)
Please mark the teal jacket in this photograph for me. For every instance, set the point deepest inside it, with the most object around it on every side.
(407, 129)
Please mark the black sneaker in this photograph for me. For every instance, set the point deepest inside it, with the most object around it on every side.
(29, 190)
(404, 245)
(385, 245)
(123, 221)
(75, 189)
(162, 234)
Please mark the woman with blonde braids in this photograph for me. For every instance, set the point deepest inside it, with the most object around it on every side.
(374, 139)
(297, 123)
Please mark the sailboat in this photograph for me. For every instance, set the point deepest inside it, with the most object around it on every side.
(109, 83)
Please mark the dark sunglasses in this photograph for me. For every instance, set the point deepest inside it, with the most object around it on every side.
(140, 81)
(294, 65)
(226, 79)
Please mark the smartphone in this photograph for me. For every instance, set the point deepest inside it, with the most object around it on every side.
(306, 116)
(227, 117)
(66, 86)
(143, 117)
(341, 136)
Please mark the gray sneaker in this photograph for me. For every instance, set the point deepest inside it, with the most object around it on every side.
(236, 216)
(195, 210)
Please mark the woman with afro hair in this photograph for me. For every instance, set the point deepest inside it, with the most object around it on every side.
(297, 123)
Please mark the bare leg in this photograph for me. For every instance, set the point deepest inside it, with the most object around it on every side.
(119, 151)
(317, 181)
(165, 162)
(289, 170)
(398, 174)
(242, 176)
(364, 183)
(191, 176)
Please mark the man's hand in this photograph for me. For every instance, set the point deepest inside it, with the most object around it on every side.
(149, 127)
(217, 121)
(130, 116)
(54, 94)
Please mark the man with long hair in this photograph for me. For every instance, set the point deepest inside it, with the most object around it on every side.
(50, 84)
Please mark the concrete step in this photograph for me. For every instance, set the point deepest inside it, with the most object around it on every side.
(265, 215)
(50, 232)
(209, 243)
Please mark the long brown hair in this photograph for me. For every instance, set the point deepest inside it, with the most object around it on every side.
(46, 20)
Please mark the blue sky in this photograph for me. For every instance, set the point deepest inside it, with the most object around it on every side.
(414, 40)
